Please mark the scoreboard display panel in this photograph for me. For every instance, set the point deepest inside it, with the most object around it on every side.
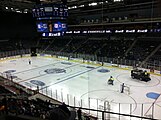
(50, 10)
(58, 26)
(50, 26)
(42, 27)
(53, 34)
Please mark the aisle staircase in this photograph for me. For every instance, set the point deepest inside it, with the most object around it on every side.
(128, 50)
(151, 54)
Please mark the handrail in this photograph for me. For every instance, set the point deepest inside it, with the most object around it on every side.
(111, 112)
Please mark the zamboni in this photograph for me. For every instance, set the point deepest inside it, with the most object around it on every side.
(140, 75)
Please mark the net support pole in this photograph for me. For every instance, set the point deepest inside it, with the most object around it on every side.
(97, 108)
(68, 99)
(142, 110)
(119, 111)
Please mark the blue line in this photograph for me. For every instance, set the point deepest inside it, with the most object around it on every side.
(67, 75)
(70, 77)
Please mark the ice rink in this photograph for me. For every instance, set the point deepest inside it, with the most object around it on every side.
(85, 85)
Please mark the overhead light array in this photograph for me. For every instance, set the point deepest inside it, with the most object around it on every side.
(118, 0)
(100, 3)
(81, 6)
(16, 10)
(93, 4)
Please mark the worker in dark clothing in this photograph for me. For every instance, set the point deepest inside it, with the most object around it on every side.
(122, 87)
(64, 108)
(29, 62)
(79, 112)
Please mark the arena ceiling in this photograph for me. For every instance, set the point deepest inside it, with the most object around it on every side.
(27, 5)
(12, 5)
(69, 2)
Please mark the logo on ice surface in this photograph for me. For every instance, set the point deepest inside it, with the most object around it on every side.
(103, 70)
(55, 70)
(9, 71)
(37, 82)
(66, 63)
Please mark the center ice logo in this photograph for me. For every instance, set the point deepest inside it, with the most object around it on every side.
(55, 70)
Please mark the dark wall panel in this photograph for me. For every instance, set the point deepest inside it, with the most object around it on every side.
(16, 25)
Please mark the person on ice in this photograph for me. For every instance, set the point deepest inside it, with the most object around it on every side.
(29, 62)
(122, 87)
(111, 80)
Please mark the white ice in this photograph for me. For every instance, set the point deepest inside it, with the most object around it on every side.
(82, 83)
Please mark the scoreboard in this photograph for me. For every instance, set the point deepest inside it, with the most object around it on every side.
(50, 10)
(51, 19)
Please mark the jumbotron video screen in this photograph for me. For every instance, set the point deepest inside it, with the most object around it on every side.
(51, 26)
